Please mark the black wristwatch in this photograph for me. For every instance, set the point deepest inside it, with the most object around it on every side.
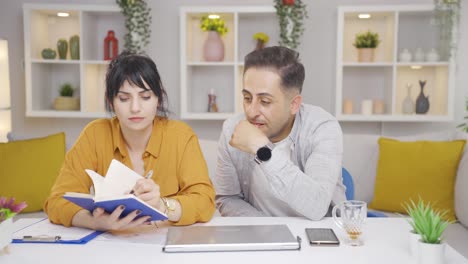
(264, 153)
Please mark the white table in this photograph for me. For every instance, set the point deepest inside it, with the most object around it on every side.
(385, 241)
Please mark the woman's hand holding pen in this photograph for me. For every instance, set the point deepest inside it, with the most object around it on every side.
(147, 190)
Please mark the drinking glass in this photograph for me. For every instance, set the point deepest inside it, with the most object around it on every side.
(352, 217)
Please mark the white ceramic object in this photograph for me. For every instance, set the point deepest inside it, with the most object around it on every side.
(413, 239)
(431, 253)
(432, 56)
(366, 107)
(405, 56)
(419, 55)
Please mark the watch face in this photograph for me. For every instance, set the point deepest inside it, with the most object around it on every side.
(264, 153)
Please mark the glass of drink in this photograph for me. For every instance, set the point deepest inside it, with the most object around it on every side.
(353, 214)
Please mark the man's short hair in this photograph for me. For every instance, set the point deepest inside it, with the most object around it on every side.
(282, 60)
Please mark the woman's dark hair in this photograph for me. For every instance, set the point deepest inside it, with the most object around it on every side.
(135, 68)
(282, 60)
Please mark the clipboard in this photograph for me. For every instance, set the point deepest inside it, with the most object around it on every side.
(42, 231)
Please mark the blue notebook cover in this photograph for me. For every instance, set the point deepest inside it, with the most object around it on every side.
(130, 202)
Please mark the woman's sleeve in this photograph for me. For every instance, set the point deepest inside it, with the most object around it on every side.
(72, 178)
(196, 194)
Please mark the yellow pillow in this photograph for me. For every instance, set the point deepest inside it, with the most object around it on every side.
(409, 170)
(28, 169)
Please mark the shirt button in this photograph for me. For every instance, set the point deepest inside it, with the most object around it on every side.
(245, 183)
(146, 154)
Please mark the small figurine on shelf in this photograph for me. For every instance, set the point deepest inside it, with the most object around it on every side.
(111, 46)
(62, 48)
(422, 102)
(212, 106)
(408, 104)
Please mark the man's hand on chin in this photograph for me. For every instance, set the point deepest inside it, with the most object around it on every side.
(248, 138)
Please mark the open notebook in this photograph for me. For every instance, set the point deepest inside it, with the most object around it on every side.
(230, 238)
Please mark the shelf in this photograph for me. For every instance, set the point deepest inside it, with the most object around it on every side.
(209, 63)
(394, 118)
(384, 81)
(367, 64)
(66, 114)
(55, 61)
(42, 29)
(206, 116)
(198, 77)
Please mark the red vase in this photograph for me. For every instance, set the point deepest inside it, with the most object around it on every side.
(288, 2)
(111, 46)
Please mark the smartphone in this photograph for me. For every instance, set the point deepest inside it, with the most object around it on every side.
(322, 237)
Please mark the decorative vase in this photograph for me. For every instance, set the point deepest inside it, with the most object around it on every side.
(419, 55)
(213, 48)
(75, 47)
(6, 234)
(111, 46)
(408, 105)
(405, 56)
(260, 45)
(66, 103)
(62, 48)
(432, 56)
(422, 102)
(288, 2)
(431, 253)
(212, 106)
(48, 54)
(366, 54)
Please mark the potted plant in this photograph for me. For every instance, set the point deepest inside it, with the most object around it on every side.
(8, 209)
(213, 48)
(430, 225)
(138, 24)
(66, 101)
(464, 126)
(261, 39)
(366, 43)
(291, 15)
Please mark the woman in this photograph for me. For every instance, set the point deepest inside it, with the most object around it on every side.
(141, 137)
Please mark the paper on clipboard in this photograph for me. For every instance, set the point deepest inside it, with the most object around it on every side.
(42, 231)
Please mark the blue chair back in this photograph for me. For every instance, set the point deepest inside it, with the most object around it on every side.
(348, 183)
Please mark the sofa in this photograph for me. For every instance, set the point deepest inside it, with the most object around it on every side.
(360, 158)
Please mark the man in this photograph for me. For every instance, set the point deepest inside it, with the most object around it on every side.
(282, 158)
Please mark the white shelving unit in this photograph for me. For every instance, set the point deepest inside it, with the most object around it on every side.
(198, 77)
(399, 27)
(42, 29)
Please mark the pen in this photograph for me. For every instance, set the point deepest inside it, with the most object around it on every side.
(42, 238)
(148, 175)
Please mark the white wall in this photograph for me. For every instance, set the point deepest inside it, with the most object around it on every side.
(317, 53)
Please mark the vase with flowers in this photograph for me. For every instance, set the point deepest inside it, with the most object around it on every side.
(261, 40)
(213, 48)
(8, 209)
